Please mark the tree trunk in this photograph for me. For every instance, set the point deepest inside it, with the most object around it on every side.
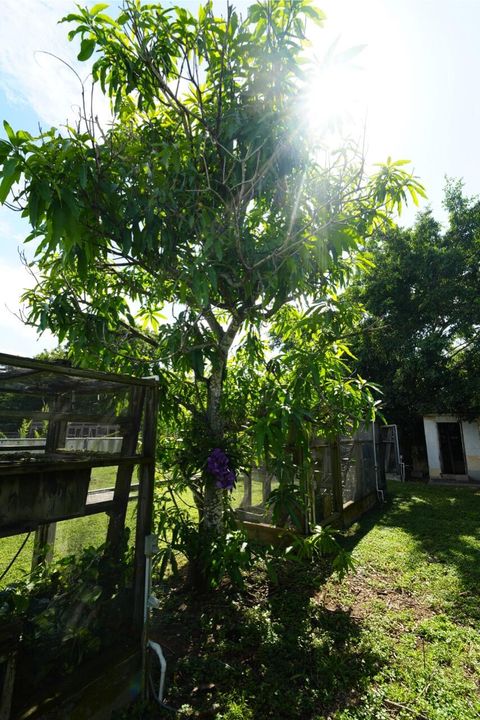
(211, 516)
(213, 504)
(212, 512)
(214, 497)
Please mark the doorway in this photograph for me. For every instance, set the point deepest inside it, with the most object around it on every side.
(452, 456)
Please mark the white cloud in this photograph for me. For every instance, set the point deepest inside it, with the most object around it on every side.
(30, 77)
(15, 337)
(46, 86)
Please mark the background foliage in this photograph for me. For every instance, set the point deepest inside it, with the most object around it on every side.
(420, 338)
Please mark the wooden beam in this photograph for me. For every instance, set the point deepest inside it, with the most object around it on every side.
(40, 415)
(45, 534)
(18, 361)
(116, 525)
(144, 525)
(94, 508)
(72, 461)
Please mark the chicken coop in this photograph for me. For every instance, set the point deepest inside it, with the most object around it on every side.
(75, 445)
(347, 478)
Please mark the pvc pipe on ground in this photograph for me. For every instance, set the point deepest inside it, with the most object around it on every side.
(163, 667)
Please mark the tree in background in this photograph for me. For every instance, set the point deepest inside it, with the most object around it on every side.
(205, 233)
(420, 340)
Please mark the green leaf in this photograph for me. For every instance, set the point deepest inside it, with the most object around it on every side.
(23, 135)
(98, 8)
(10, 133)
(5, 150)
(35, 208)
(11, 174)
(86, 49)
(5, 187)
(10, 167)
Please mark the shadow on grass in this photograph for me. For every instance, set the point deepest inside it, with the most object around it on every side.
(273, 648)
(445, 525)
(274, 651)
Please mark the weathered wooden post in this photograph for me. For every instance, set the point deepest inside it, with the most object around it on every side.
(266, 486)
(43, 544)
(336, 467)
(247, 490)
(145, 503)
(116, 525)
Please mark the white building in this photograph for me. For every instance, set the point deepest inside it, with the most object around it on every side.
(453, 448)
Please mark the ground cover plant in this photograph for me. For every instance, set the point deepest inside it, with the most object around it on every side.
(66, 613)
(399, 638)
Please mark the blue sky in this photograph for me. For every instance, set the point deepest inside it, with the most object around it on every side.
(414, 86)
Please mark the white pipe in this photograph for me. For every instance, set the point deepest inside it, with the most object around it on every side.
(150, 548)
(380, 493)
(148, 579)
(163, 667)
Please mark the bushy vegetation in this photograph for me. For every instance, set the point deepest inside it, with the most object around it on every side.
(420, 338)
(67, 612)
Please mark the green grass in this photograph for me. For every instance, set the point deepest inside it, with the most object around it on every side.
(71, 536)
(399, 638)
(415, 593)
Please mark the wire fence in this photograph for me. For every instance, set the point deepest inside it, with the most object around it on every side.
(345, 470)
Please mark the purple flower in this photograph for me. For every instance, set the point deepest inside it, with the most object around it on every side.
(217, 465)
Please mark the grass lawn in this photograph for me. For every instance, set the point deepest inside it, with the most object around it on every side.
(71, 535)
(399, 638)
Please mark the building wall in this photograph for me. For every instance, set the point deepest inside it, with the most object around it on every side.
(471, 439)
(471, 444)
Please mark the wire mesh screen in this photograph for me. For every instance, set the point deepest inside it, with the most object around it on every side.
(390, 453)
(322, 480)
(361, 473)
(251, 494)
(358, 468)
(77, 452)
(356, 460)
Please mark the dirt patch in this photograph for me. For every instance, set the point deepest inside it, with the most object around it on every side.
(360, 591)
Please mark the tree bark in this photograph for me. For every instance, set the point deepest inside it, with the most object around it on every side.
(213, 502)
(214, 497)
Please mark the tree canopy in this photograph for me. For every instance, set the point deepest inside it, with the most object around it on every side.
(204, 234)
(420, 339)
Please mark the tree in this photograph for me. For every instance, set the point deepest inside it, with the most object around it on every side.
(421, 335)
(201, 217)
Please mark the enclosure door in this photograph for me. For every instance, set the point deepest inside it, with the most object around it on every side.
(452, 456)
(390, 458)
